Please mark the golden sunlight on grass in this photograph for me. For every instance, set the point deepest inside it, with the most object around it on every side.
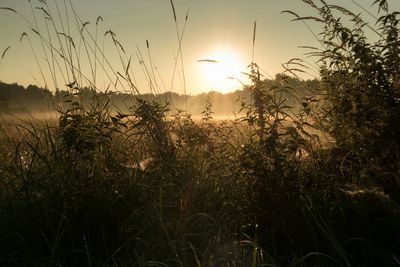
(110, 163)
(221, 70)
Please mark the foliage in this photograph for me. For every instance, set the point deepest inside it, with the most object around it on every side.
(141, 187)
(359, 80)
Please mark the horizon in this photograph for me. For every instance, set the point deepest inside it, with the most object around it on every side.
(217, 43)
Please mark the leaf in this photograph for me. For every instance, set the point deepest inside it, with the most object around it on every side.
(70, 85)
(309, 18)
(84, 25)
(187, 15)
(109, 32)
(308, 47)
(311, 3)
(44, 11)
(173, 10)
(22, 36)
(9, 9)
(207, 60)
(119, 44)
(35, 31)
(254, 33)
(98, 19)
(129, 64)
(68, 37)
(122, 76)
(290, 12)
(5, 51)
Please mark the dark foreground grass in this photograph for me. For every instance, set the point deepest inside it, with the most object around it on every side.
(144, 189)
(182, 193)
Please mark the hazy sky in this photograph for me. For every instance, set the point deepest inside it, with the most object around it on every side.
(216, 29)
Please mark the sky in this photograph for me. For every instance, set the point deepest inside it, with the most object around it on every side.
(217, 42)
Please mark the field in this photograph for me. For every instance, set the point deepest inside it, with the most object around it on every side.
(277, 186)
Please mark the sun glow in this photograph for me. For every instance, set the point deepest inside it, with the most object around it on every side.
(221, 70)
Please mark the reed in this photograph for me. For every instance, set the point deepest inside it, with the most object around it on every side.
(99, 187)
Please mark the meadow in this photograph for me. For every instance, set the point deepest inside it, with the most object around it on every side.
(312, 185)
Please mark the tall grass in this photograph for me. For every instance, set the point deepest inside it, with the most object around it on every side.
(98, 188)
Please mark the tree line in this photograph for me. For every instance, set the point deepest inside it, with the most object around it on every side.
(16, 98)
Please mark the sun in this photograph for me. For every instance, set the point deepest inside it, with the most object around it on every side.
(221, 70)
